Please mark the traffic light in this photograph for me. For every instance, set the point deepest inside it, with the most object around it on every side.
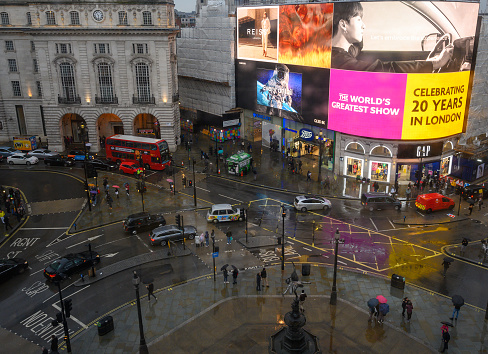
(90, 170)
(58, 320)
(417, 175)
(141, 186)
(217, 249)
(178, 220)
(67, 307)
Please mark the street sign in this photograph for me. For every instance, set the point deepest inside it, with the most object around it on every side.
(215, 254)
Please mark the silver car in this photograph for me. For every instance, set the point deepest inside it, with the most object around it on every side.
(161, 235)
(305, 203)
(21, 159)
(42, 153)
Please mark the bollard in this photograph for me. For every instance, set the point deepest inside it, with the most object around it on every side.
(404, 217)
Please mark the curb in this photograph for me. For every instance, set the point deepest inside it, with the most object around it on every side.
(454, 255)
(429, 223)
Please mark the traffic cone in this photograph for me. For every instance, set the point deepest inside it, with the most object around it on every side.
(182, 163)
(242, 173)
(219, 171)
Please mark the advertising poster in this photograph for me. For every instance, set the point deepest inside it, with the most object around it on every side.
(271, 135)
(390, 70)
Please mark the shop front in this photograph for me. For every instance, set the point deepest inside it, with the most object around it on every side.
(380, 171)
(418, 161)
(353, 167)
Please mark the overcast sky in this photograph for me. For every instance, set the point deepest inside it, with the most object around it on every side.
(185, 5)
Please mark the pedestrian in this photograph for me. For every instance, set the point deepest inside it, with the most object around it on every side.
(54, 344)
(446, 337)
(300, 163)
(383, 311)
(255, 172)
(150, 289)
(206, 239)
(484, 247)
(229, 237)
(105, 183)
(409, 310)
(243, 144)
(302, 298)
(202, 239)
(464, 244)
(480, 202)
(6, 222)
(456, 311)
(44, 350)
(446, 266)
(264, 277)
(197, 241)
(258, 281)
(372, 312)
(404, 305)
(212, 235)
(116, 193)
(109, 200)
(408, 193)
(235, 273)
(471, 206)
(309, 176)
(127, 188)
(226, 274)
(249, 148)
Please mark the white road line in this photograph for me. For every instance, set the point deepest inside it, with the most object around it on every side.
(308, 249)
(72, 317)
(45, 228)
(237, 200)
(341, 262)
(55, 294)
(103, 244)
(373, 224)
(290, 242)
(391, 223)
(87, 240)
(40, 270)
(144, 243)
(357, 209)
(203, 189)
(418, 212)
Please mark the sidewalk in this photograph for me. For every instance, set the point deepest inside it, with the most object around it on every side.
(207, 316)
(473, 253)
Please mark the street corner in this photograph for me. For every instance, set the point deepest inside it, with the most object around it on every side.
(473, 253)
(419, 218)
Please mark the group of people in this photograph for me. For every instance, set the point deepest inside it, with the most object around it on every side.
(204, 239)
(261, 279)
(12, 202)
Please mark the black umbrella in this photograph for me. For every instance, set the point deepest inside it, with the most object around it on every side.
(447, 323)
(448, 259)
(147, 280)
(224, 267)
(234, 268)
(372, 303)
(457, 300)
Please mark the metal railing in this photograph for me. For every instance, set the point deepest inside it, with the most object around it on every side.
(106, 100)
(143, 100)
(69, 100)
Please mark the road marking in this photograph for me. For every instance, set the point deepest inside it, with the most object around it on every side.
(307, 249)
(31, 274)
(418, 212)
(391, 223)
(203, 189)
(290, 242)
(104, 244)
(88, 239)
(109, 255)
(338, 261)
(45, 228)
(237, 200)
(144, 243)
(373, 224)
(347, 206)
(72, 317)
(55, 294)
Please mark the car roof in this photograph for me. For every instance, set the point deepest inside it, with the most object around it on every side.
(138, 215)
(376, 194)
(166, 228)
(432, 196)
(221, 206)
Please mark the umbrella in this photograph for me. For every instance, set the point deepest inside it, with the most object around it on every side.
(448, 259)
(93, 192)
(457, 300)
(169, 180)
(372, 303)
(147, 280)
(91, 185)
(224, 267)
(382, 299)
(447, 323)
(234, 268)
(115, 186)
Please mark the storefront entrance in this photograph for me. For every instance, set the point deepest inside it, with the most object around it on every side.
(354, 167)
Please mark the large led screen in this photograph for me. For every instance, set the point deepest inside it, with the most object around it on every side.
(390, 70)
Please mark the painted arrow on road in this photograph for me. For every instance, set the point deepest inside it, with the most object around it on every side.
(109, 255)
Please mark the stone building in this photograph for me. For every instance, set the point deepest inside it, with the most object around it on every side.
(110, 66)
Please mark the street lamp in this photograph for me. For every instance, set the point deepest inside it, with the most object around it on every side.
(283, 215)
(321, 151)
(142, 344)
(333, 294)
(216, 151)
(245, 216)
(65, 323)
(194, 185)
(213, 251)
(82, 130)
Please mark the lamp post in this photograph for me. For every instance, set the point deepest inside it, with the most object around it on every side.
(245, 216)
(174, 180)
(82, 130)
(283, 215)
(142, 344)
(65, 323)
(321, 151)
(333, 294)
(194, 185)
(213, 251)
(216, 151)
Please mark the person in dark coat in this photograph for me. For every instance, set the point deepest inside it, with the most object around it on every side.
(404, 305)
(446, 267)
(264, 277)
(226, 274)
(258, 281)
(302, 298)
(150, 290)
(6, 222)
(54, 344)
(409, 310)
(446, 337)
(44, 350)
(235, 273)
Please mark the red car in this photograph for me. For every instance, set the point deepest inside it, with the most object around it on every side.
(433, 201)
(130, 167)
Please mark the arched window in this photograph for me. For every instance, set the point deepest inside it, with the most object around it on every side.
(67, 74)
(381, 151)
(50, 18)
(106, 83)
(355, 147)
(447, 146)
(142, 82)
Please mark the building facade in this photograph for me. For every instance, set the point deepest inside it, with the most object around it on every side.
(110, 67)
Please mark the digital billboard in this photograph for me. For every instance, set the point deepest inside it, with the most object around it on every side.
(389, 70)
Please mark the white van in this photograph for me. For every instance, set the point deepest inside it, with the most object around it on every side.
(224, 212)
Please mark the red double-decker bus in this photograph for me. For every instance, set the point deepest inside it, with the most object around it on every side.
(154, 153)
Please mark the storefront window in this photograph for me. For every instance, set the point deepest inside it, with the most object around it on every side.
(405, 173)
(446, 164)
(381, 151)
(354, 167)
(380, 171)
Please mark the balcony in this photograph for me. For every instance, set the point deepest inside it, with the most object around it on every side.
(106, 100)
(143, 100)
(69, 100)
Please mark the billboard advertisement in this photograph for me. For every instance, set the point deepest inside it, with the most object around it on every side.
(388, 70)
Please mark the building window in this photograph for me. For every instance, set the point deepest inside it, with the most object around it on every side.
(105, 81)
(68, 81)
(4, 18)
(9, 46)
(75, 17)
(63, 48)
(29, 18)
(142, 82)
(146, 18)
(50, 18)
(33, 46)
(16, 89)
(12, 65)
(123, 18)
(102, 48)
(39, 89)
(36, 65)
(139, 48)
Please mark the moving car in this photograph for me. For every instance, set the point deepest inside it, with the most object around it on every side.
(130, 167)
(11, 267)
(376, 200)
(71, 263)
(474, 191)
(161, 235)
(143, 221)
(21, 159)
(42, 153)
(433, 201)
(59, 161)
(224, 212)
(79, 155)
(305, 203)
(6, 151)
(103, 164)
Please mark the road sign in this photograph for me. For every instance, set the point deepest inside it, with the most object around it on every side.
(215, 254)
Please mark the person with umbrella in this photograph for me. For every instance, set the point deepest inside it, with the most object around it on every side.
(457, 301)
(446, 263)
(116, 190)
(383, 308)
(372, 303)
(235, 273)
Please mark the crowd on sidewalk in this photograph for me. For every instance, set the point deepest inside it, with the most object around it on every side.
(12, 208)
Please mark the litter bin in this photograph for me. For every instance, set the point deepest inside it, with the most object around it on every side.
(397, 281)
(305, 270)
(105, 325)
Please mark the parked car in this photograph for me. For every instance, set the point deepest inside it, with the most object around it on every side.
(433, 201)
(143, 221)
(129, 167)
(103, 164)
(6, 151)
(161, 235)
(376, 200)
(305, 203)
(79, 155)
(41, 154)
(473, 192)
(59, 161)
(224, 212)
(22, 159)
(71, 263)
(11, 267)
